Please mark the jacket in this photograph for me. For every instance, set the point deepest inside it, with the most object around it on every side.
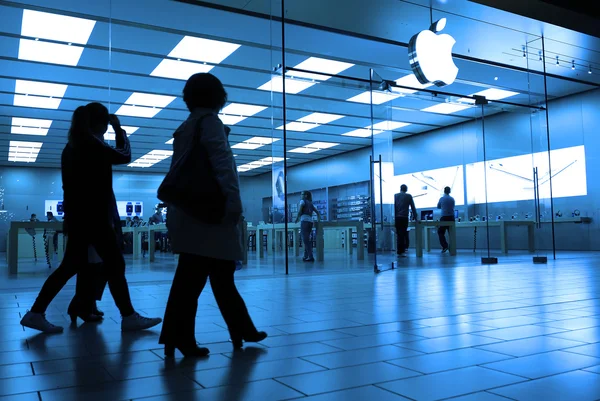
(87, 178)
(189, 235)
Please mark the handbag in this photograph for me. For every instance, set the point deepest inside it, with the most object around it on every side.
(191, 185)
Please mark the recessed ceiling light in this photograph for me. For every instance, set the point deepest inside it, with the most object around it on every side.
(361, 133)
(230, 120)
(238, 109)
(177, 69)
(38, 94)
(20, 151)
(389, 125)
(30, 126)
(445, 108)
(314, 147)
(495, 94)
(311, 121)
(292, 86)
(47, 52)
(203, 50)
(233, 113)
(170, 141)
(410, 81)
(378, 97)
(144, 105)
(149, 100)
(151, 158)
(255, 143)
(56, 27)
(321, 65)
(110, 134)
(267, 161)
(320, 118)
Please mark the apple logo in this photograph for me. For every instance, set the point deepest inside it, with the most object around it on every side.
(430, 56)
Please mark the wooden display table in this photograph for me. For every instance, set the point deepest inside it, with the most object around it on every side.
(12, 246)
(348, 226)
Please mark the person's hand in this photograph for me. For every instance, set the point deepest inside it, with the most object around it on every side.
(114, 121)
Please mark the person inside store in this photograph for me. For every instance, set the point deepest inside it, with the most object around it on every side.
(402, 202)
(206, 249)
(157, 217)
(446, 204)
(33, 217)
(86, 167)
(51, 218)
(306, 208)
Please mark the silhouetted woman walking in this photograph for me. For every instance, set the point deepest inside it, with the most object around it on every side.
(86, 166)
(206, 250)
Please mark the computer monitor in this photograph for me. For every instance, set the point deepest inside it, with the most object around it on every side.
(426, 214)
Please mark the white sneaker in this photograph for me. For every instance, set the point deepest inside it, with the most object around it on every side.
(138, 322)
(37, 321)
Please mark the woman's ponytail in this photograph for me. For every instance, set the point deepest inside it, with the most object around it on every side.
(80, 124)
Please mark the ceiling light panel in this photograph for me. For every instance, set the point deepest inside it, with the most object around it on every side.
(445, 108)
(56, 27)
(170, 141)
(203, 50)
(297, 126)
(30, 126)
(267, 161)
(231, 120)
(321, 65)
(144, 105)
(320, 118)
(38, 94)
(378, 97)
(47, 52)
(495, 94)
(361, 133)
(20, 151)
(410, 81)
(314, 147)
(151, 158)
(389, 125)
(178, 69)
(292, 86)
(255, 143)
(238, 109)
(110, 134)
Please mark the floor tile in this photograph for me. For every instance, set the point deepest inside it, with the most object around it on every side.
(380, 328)
(589, 349)
(317, 326)
(516, 333)
(593, 369)
(573, 386)
(450, 384)
(574, 324)
(510, 321)
(124, 390)
(441, 361)
(591, 335)
(237, 373)
(481, 396)
(83, 377)
(360, 393)
(546, 364)
(392, 337)
(531, 345)
(20, 369)
(21, 397)
(340, 379)
(292, 339)
(449, 330)
(361, 356)
(448, 343)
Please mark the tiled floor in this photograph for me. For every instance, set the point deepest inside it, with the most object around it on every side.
(429, 330)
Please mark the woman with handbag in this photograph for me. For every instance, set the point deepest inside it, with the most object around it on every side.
(204, 208)
(86, 167)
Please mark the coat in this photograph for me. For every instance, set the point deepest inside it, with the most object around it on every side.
(188, 235)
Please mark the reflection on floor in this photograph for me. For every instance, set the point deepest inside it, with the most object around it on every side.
(434, 329)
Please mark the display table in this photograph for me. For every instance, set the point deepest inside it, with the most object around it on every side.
(12, 246)
(422, 235)
(348, 226)
(272, 230)
(504, 225)
(137, 239)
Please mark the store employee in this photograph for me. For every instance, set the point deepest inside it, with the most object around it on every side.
(447, 204)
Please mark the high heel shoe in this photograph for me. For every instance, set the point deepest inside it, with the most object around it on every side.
(192, 351)
(88, 317)
(256, 337)
(97, 311)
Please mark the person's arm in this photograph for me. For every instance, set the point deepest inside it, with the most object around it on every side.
(414, 209)
(300, 206)
(120, 154)
(214, 140)
(318, 213)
